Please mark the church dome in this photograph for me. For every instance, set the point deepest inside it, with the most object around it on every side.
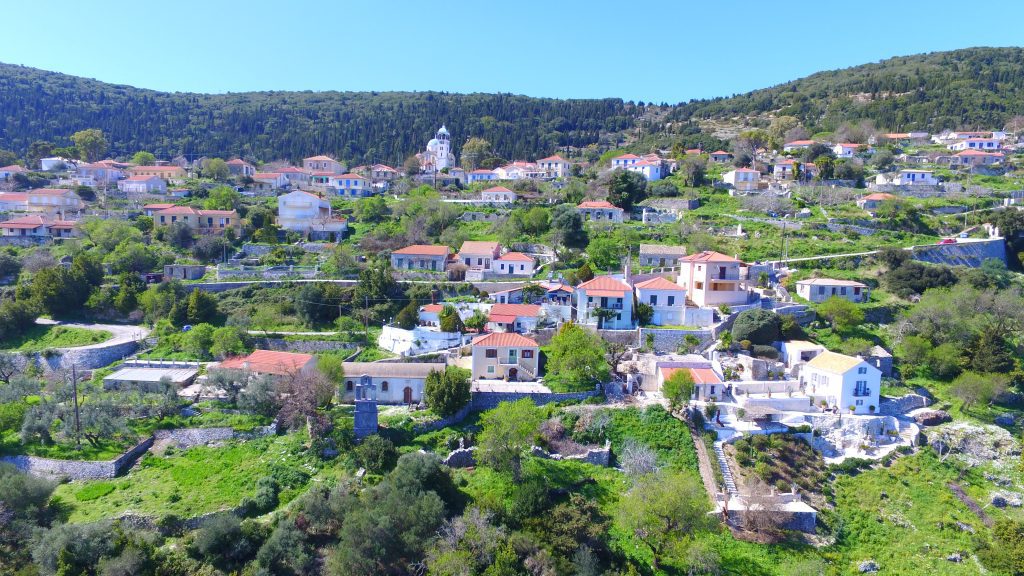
(443, 130)
(434, 143)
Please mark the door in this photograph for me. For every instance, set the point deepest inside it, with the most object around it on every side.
(407, 395)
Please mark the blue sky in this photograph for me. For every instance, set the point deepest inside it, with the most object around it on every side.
(652, 51)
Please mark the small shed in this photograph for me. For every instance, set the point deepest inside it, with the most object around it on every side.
(184, 271)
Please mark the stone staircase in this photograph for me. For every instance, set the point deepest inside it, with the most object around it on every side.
(730, 483)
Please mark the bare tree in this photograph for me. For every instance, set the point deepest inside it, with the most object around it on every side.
(637, 459)
(763, 514)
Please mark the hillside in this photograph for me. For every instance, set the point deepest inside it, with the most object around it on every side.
(355, 126)
(974, 87)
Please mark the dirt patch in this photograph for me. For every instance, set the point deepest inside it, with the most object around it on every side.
(970, 503)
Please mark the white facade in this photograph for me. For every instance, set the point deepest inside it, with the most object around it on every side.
(848, 150)
(298, 211)
(351, 185)
(712, 279)
(513, 264)
(601, 211)
(821, 289)
(607, 293)
(481, 176)
(498, 195)
(143, 185)
(983, 144)
(555, 166)
(667, 299)
(625, 161)
(742, 179)
(842, 382)
(651, 171)
(395, 382)
(438, 154)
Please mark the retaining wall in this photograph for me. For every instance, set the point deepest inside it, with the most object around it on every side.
(489, 400)
(79, 469)
(308, 346)
(970, 254)
(86, 358)
(670, 340)
(901, 405)
(189, 437)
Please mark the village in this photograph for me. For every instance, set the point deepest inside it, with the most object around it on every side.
(752, 293)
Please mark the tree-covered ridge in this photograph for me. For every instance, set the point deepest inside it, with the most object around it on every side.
(970, 88)
(354, 126)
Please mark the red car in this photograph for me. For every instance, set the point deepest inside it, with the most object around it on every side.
(947, 241)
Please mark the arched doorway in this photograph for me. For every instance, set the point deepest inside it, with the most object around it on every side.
(407, 395)
(513, 373)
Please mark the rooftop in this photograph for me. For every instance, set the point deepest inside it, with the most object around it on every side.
(833, 362)
(505, 339)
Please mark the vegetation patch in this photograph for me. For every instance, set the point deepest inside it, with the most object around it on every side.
(44, 337)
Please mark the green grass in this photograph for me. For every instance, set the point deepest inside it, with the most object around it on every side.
(43, 337)
(10, 445)
(191, 482)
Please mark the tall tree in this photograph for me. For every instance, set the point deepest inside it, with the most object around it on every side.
(508, 430)
(91, 144)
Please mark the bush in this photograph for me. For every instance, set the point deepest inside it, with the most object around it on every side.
(758, 326)
(376, 454)
(447, 392)
(763, 351)
(265, 498)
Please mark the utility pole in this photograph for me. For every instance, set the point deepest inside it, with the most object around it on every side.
(78, 423)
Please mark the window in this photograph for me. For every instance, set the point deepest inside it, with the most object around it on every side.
(671, 300)
(348, 385)
(862, 370)
(491, 353)
(384, 386)
(654, 300)
(527, 353)
(860, 402)
(490, 369)
(698, 285)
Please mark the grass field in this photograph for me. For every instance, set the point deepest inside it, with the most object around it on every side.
(191, 482)
(43, 337)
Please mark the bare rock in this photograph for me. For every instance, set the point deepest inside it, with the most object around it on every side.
(868, 566)
(933, 418)
(955, 557)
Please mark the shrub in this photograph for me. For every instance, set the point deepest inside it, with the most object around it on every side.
(757, 325)
(763, 351)
(376, 454)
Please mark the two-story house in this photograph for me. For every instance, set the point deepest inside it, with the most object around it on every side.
(605, 302)
(600, 211)
(555, 166)
(849, 149)
(797, 145)
(650, 170)
(420, 257)
(720, 157)
(513, 318)
(47, 200)
(478, 255)
(143, 185)
(200, 221)
(743, 179)
(625, 161)
(712, 279)
(239, 167)
(323, 164)
(303, 212)
(842, 382)
(351, 185)
(666, 298)
(983, 144)
(481, 175)
(821, 289)
(505, 356)
(172, 174)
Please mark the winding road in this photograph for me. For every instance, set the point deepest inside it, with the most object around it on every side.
(120, 333)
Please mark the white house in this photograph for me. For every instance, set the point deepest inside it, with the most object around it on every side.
(481, 175)
(707, 384)
(513, 264)
(143, 185)
(396, 382)
(983, 144)
(821, 289)
(420, 257)
(351, 185)
(666, 298)
(270, 180)
(601, 210)
(513, 317)
(519, 170)
(554, 166)
(842, 382)
(849, 150)
(625, 161)
(505, 356)
(605, 293)
(743, 179)
(8, 171)
(49, 200)
(304, 212)
(651, 171)
(38, 226)
(56, 163)
(498, 195)
(909, 177)
(98, 173)
(712, 279)
(796, 352)
(478, 254)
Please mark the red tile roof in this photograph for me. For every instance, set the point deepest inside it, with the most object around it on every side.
(659, 283)
(13, 197)
(26, 222)
(423, 250)
(432, 308)
(175, 210)
(13, 168)
(142, 178)
(555, 158)
(268, 362)
(708, 256)
(266, 176)
(505, 339)
(478, 247)
(721, 153)
(527, 310)
(157, 206)
(604, 283)
(799, 143)
(321, 158)
(51, 191)
(515, 257)
(626, 157)
(349, 176)
(597, 204)
(237, 162)
(878, 196)
(497, 189)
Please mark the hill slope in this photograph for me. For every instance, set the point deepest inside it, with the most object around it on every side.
(355, 126)
(974, 87)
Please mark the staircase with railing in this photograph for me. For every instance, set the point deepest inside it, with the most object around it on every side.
(730, 482)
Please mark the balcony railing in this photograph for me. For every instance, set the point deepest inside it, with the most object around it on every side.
(861, 392)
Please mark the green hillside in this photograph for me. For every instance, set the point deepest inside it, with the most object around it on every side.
(974, 87)
(355, 126)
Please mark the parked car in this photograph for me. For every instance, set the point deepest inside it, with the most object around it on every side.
(947, 241)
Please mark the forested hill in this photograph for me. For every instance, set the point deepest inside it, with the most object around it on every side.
(970, 88)
(354, 126)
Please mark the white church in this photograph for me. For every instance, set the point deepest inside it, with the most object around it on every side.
(438, 154)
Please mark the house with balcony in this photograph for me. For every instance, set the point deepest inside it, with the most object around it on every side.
(743, 179)
(47, 200)
(555, 166)
(513, 264)
(712, 279)
(666, 298)
(513, 318)
(38, 226)
(625, 161)
(821, 289)
(143, 185)
(600, 211)
(605, 302)
(351, 186)
(651, 170)
(200, 221)
(98, 174)
(842, 382)
(432, 258)
(323, 164)
(478, 255)
(505, 356)
(240, 168)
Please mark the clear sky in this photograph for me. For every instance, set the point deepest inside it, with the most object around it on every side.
(654, 51)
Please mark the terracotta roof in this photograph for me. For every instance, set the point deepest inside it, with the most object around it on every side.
(879, 196)
(659, 283)
(321, 158)
(268, 362)
(850, 145)
(349, 176)
(978, 153)
(432, 308)
(505, 339)
(556, 286)
(834, 363)
(290, 170)
(13, 168)
(50, 191)
(831, 282)
(704, 376)
(708, 256)
(383, 168)
(65, 224)
(157, 206)
(800, 143)
(501, 318)
(143, 178)
(555, 158)
(527, 310)
(515, 257)
(598, 204)
(604, 283)
(498, 189)
(478, 247)
(266, 176)
(13, 197)
(423, 250)
(721, 153)
(744, 170)
(237, 162)
(626, 157)
(24, 222)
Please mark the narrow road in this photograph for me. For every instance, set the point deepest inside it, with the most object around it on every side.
(120, 333)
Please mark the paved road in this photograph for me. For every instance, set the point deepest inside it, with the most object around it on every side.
(121, 333)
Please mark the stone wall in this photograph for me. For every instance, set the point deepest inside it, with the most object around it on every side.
(307, 346)
(669, 340)
(86, 358)
(189, 437)
(79, 469)
(970, 254)
(901, 405)
(489, 400)
(444, 422)
(24, 241)
(799, 521)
